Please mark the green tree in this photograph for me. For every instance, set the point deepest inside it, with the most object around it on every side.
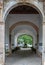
(27, 39)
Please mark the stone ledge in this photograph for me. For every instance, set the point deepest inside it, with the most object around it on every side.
(1, 23)
(43, 23)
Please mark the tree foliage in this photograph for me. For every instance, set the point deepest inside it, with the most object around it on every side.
(27, 39)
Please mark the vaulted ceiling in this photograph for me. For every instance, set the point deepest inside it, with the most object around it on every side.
(23, 9)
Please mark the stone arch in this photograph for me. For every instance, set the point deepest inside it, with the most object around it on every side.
(28, 33)
(14, 4)
(24, 23)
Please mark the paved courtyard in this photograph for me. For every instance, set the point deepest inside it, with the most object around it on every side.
(23, 58)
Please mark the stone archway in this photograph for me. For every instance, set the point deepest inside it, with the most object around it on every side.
(15, 4)
(23, 23)
(28, 33)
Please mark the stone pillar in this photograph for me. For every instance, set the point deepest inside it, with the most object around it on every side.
(2, 47)
(2, 42)
(10, 51)
(37, 40)
(43, 51)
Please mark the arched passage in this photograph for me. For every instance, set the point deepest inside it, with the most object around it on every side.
(28, 33)
(25, 41)
(24, 23)
(14, 5)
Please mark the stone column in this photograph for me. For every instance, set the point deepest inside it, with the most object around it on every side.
(10, 51)
(2, 44)
(37, 40)
(37, 44)
(2, 34)
(43, 51)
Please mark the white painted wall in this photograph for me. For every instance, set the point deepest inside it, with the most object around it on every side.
(13, 18)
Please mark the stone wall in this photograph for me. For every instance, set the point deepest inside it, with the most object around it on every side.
(1, 34)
